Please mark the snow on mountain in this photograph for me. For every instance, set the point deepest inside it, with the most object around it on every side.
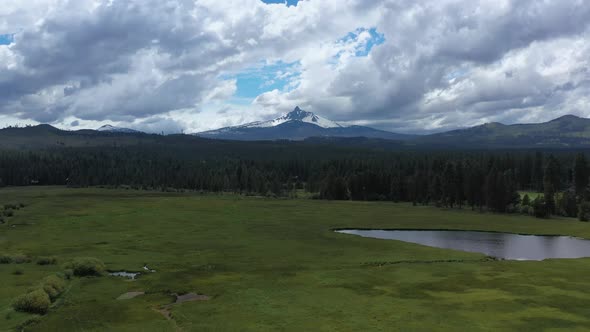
(113, 129)
(297, 115)
(296, 125)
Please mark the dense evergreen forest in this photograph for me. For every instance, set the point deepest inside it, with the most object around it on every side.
(455, 179)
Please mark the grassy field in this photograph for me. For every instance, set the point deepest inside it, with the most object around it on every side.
(276, 265)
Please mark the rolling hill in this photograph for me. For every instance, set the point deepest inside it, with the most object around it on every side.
(568, 131)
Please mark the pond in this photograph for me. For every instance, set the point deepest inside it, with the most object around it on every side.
(499, 245)
(125, 274)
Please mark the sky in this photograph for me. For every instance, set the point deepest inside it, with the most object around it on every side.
(193, 65)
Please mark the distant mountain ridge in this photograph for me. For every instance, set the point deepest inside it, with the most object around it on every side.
(566, 132)
(297, 125)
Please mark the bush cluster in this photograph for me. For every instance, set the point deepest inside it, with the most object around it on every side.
(5, 259)
(38, 300)
(86, 266)
(35, 302)
(46, 261)
(16, 258)
(7, 210)
(53, 286)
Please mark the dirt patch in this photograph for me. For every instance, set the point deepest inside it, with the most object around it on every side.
(130, 295)
(165, 310)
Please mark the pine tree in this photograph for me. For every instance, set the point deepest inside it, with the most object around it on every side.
(537, 174)
(551, 183)
(459, 184)
(580, 175)
(448, 185)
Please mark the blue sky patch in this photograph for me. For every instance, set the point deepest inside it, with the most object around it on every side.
(6, 39)
(457, 74)
(262, 78)
(288, 2)
(257, 80)
(375, 39)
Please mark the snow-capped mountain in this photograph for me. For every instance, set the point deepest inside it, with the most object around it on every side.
(296, 115)
(296, 125)
(113, 129)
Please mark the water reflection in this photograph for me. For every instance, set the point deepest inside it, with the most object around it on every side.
(500, 245)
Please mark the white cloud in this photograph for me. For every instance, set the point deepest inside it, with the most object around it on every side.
(164, 64)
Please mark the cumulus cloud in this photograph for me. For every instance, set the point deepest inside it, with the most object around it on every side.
(446, 64)
(168, 65)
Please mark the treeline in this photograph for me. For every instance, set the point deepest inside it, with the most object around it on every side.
(478, 180)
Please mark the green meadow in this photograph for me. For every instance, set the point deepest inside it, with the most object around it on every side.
(276, 265)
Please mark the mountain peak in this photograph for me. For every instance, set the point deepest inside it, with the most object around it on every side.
(303, 116)
(296, 115)
(297, 125)
(299, 115)
(111, 128)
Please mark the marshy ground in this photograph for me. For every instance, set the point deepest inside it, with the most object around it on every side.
(266, 264)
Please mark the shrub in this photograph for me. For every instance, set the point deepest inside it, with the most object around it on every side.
(35, 302)
(540, 208)
(53, 286)
(5, 259)
(86, 266)
(20, 259)
(584, 211)
(46, 261)
(68, 273)
(1, 219)
(21, 205)
(18, 272)
(8, 213)
(531, 211)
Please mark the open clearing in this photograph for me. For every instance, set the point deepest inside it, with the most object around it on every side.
(269, 265)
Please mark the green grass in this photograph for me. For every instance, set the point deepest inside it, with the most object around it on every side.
(532, 194)
(276, 265)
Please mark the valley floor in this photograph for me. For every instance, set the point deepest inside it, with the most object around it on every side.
(276, 265)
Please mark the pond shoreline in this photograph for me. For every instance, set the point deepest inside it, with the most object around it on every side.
(339, 229)
(500, 245)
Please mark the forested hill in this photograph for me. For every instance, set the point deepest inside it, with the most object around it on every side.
(567, 132)
(330, 168)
